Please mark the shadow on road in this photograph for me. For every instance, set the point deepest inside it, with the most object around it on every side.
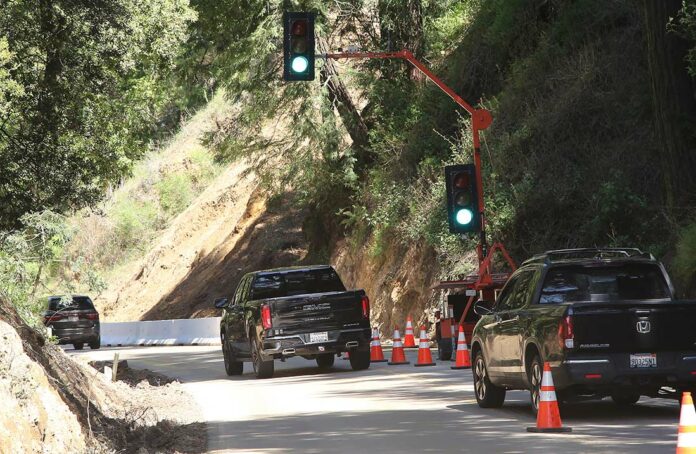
(429, 431)
(393, 409)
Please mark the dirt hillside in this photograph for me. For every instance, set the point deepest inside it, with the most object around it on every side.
(33, 416)
(230, 228)
(209, 223)
(398, 282)
(51, 403)
(233, 227)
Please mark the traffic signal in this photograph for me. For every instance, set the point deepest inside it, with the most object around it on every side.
(462, 199)
(298, 46)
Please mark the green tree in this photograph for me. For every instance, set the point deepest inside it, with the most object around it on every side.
(79, 94)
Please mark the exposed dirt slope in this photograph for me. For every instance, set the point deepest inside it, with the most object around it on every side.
(33, 416)
(398, 282)
(51, 403)
(266, 236)
(232, 228)
(193, 235)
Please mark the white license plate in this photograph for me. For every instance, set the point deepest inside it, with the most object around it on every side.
(319, 337)
(73, 319)
(643, 360)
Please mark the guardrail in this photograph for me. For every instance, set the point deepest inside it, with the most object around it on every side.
(195, 331)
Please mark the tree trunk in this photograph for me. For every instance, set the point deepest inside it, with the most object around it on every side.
(341, 99)
(53, 29)
(674, 103)
(401, 27)
(37, 281)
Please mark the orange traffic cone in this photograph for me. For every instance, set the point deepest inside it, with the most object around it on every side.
(463, 358)
(409, 341)
(686, 443)
(398, 355)
(376, 353)
(424, 356)
(548, 417)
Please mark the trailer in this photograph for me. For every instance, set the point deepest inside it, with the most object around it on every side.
(459, 297)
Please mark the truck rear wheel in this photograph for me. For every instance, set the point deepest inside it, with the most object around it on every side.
(232, 367)
(360, 359)
(262, 369)
(536, 374)
(487, 394)
(326, 360)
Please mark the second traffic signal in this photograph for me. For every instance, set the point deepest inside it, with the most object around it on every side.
(463, 213)
(298, 46)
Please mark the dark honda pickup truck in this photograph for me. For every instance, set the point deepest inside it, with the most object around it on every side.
(297, 311)
(605, 319)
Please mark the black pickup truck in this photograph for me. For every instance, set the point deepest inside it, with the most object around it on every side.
(297, 311)
(606, 320)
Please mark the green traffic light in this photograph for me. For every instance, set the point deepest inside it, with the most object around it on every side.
(299, 64)
(464, 216)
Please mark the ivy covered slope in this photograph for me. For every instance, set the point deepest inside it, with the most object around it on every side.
(591, 144)
(580, 153)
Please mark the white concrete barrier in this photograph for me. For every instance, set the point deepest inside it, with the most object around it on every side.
(194, 331)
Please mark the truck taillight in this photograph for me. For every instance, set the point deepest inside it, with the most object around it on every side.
(52, 318)
(365, 307)
(566, 336)
(90, 316)
(266, 316)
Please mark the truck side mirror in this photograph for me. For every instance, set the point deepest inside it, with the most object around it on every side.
(221, 303)
(482, 308)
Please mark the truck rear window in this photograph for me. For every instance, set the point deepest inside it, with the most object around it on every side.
(302, 282)
(605, 283)
(78, 302)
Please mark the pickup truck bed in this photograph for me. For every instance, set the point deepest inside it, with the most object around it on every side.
(280, 313)
(335, 321)
(606, 321)
(641, 345)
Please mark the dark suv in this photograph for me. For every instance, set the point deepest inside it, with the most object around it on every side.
(606, 320)
(73, 320)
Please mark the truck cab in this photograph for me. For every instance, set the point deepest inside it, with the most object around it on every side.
(298, 311)
(606, 320)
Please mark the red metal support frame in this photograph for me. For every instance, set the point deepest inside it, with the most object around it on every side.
(481, 119)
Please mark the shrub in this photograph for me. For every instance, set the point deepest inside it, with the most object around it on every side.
(134, 223)
(204, 168)
(175, 193)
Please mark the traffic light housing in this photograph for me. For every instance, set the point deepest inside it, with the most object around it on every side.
(462, 199)
(298, 46)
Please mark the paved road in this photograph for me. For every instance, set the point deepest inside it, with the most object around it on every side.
(388, 409)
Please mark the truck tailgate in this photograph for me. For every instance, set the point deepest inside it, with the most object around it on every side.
(635, 327)
(317, 312)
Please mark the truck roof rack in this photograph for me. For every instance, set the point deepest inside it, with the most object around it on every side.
(588, 253)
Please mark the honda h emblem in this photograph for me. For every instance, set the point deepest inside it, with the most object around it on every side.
(643, 326)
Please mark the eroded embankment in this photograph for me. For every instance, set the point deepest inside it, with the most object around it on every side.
(51, 403)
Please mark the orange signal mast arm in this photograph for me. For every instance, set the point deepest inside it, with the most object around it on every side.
(480, 119)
